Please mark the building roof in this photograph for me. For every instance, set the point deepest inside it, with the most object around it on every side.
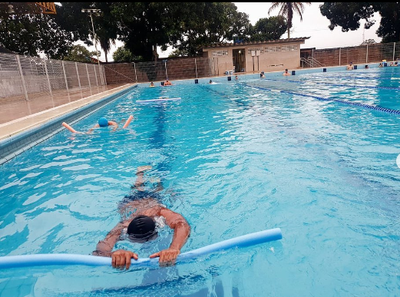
(221, 44)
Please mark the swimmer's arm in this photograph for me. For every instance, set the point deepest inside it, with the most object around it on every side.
(112, 123)
(104, 247)
(94, 127)
(181, 233)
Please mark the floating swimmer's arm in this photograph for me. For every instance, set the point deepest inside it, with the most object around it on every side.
(112, 123)
(119, 258)
(181, 233)
(94, 127)
(105, 246)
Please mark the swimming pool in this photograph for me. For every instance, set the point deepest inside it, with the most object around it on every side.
(313, 154)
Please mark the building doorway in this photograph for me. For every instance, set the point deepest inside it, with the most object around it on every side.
(239, 59)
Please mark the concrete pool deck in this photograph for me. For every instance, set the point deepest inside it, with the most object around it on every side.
(23, 124)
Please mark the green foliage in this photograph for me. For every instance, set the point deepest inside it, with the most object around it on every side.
(348, 15)
(141, 26)
(122, 54)
(269, 29)
(203, 23)
(287, 10)
(32, 34)
(79, 53)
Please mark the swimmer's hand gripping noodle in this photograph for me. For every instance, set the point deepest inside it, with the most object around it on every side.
(74, 259)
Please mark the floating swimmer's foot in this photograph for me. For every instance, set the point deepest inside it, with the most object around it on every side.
(142, 169)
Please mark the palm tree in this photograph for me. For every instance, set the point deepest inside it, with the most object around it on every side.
(287, 9)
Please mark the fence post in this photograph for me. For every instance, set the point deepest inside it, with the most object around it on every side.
(166, 72)
(195, 63)
(366, 55)
(66, 81)
(49, 83)
(134, 68)
(312, 57)
(22, 77)
(394, 50)
(340, 55)
(88, 77)
(95, 75)
(79, 80)
(103, 75)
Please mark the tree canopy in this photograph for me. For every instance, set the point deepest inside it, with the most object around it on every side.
(79, 53)
(185, 26)
(287, 10)
(347, 15)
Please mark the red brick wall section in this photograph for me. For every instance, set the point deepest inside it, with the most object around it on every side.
(374, 53)
(187, 68)
(173, 69)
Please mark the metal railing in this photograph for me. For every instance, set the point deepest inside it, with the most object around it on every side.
(309, 62)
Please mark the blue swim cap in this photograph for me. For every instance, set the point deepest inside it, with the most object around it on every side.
(103, 122)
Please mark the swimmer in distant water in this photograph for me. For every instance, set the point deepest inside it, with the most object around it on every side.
(167, 83)
(103, 122)
(350, 66)
(142, 215)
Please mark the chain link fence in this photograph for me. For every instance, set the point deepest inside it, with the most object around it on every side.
(363, 54)
(29, 85)
(160, 70)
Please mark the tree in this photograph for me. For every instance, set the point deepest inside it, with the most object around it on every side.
(79, 53)
(186, 26)
(31, 34)
(141, 26)
(105, 26)
(269, 29)
(287, 9)
(368, 42)
(348, 15)
(122, 54)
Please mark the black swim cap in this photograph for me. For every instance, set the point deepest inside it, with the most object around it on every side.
(142, 229)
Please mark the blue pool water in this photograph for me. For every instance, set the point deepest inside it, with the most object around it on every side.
(313, 154)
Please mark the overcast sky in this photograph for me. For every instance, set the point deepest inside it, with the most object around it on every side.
(314, 25)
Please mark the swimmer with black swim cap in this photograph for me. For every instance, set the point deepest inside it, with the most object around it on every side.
(142, 216)
(142, 229)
